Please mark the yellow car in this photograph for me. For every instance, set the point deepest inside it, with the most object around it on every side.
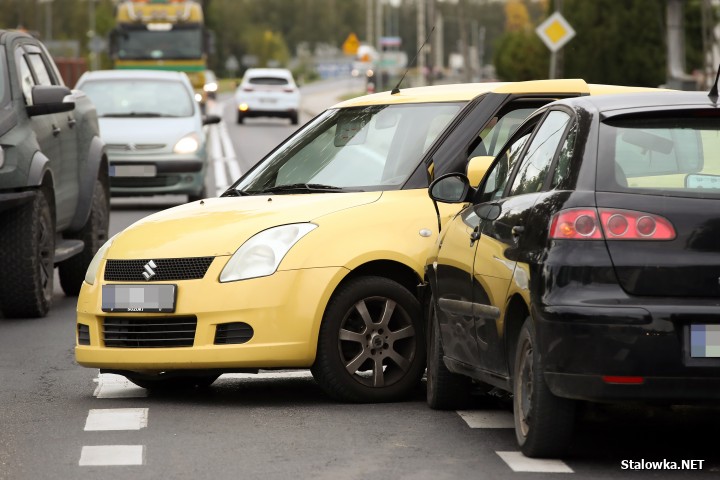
(313, 258)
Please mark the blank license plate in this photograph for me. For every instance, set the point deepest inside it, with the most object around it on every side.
(133, 170)
(139, 298)
(705, 341)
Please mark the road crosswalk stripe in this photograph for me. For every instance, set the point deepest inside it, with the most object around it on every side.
(487, 418)
(117, 386)
(112, 455)
(116, 419)
(520, 463)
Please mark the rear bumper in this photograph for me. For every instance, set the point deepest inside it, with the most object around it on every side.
(639, 352)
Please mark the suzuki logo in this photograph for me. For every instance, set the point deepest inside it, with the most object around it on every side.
(149, 270)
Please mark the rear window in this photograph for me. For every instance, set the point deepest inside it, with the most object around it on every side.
(268, 81)
(675, 155)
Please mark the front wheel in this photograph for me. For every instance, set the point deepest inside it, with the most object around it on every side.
(543, 422)
(371, 346)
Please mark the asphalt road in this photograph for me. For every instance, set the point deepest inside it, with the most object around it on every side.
(58, 419)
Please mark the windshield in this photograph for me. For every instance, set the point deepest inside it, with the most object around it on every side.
(673, 156)
(139, 98)
(178, 43)
(364, 148)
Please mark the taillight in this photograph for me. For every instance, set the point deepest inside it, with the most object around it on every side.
(612, 224)
(248, 89)
(288, 90)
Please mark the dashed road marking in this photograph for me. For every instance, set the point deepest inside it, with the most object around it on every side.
(117, 386)
(108, 455)
(487, 419)
(266, 375)
(520, 463)
(116, 419)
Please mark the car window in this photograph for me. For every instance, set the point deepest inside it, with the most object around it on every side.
(139, 97)
(367, 148)
(41, 71)
(26, 78)
(268, 81)
(497, 177)
(562, 170)
(498, 131)
(536, 163)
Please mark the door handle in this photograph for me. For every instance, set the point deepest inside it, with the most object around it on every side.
(71, 122)
(475, 235)
(56, 130)
(517, 230)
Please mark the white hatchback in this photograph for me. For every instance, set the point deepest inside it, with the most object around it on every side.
(268, 92)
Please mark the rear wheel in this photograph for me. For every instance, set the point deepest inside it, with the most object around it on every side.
(294, 118)
(371, 346)
(543, 422)
(176, 382)
(445, 390)
(94, 234)
(27, 258)
(240, 117)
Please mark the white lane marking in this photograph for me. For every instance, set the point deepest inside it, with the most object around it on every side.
(215, 147)
(117, 386)
(520, 463)
(487, 419)
(229, 152)
(107, 455)
(106, 419)
(267, 375)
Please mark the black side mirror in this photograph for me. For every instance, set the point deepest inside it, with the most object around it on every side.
(211, 119)
(49, 99)
(488, 211)
(451, 188)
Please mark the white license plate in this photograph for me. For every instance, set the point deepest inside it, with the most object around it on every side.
(268, 100)
(139, 298)
(133, 170)
(705, 340)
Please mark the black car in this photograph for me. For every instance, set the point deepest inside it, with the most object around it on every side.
(586, 265)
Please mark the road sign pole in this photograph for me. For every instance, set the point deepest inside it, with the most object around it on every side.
(553, 65)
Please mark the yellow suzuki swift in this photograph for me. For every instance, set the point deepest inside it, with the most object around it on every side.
(312, 259)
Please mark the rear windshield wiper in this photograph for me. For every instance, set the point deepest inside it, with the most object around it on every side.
(304, 188)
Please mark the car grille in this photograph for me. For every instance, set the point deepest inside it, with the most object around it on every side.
(130, 147)
(233, 333)
(141, 182)
(155, 332)
(192, 268)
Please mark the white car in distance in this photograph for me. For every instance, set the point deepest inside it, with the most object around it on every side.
(267, 92)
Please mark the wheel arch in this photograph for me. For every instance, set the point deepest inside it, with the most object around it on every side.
(516, 313)
(95, 167)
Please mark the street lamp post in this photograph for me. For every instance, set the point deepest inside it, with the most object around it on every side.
(48, 18)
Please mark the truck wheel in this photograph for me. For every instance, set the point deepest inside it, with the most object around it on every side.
(27, 259)
(371, 346)
(94, 234)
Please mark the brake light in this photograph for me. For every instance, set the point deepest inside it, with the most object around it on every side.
(248, 89)
(288, 89)
(623, 380)
(612, 224)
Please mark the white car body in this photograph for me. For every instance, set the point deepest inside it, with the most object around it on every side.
(268, 92)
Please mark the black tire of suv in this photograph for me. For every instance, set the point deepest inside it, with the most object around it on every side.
(94, 234)
(330, 370)
(27, 259)
(445, 390)
(543, 422)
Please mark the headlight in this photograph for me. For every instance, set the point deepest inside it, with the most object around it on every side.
(210, 87)
(95, 263)
(198, 97)
(261, 255)
(187, 144)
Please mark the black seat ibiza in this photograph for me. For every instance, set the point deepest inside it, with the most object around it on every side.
(586, 265)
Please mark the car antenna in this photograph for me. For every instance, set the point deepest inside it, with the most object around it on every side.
(714, 90)
(396, 90)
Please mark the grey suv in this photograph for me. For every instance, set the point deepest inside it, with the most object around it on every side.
(54, 200)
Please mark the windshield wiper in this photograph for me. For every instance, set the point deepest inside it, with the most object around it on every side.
(137, 114)
(304, 188)
(231, 192)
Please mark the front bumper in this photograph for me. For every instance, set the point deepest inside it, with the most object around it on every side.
(619, 353)
(284, 310)
(174, 174)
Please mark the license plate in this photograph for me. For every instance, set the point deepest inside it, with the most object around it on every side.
(705, 341)
(139, 298)
(268, 100)
(133, 170)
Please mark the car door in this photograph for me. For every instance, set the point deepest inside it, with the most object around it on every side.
(495, 263)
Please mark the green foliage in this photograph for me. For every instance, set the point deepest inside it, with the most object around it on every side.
(521, 55)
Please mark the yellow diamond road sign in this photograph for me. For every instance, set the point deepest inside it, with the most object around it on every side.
(351, 45)
(555, 32)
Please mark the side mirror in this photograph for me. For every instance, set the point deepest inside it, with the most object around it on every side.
(49, 99)
(450, 188)
(488, 211)
(211, 119)
(477, 167)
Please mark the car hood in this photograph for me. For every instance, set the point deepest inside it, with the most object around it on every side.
(218, 226)
(148, 131)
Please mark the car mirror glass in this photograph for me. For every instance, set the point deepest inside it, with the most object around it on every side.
(451, 188)
(211, 119)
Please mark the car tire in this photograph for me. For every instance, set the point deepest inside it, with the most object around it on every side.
(240, 118)
(543, 422)
(164, 382)
(27, 257)
(94, 234)
(445, 390)
(371, 346)
(294, 119)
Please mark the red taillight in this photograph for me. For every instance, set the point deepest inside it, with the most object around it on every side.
(288, 90)
(615, 224)
(248, 89)
(623, 380)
